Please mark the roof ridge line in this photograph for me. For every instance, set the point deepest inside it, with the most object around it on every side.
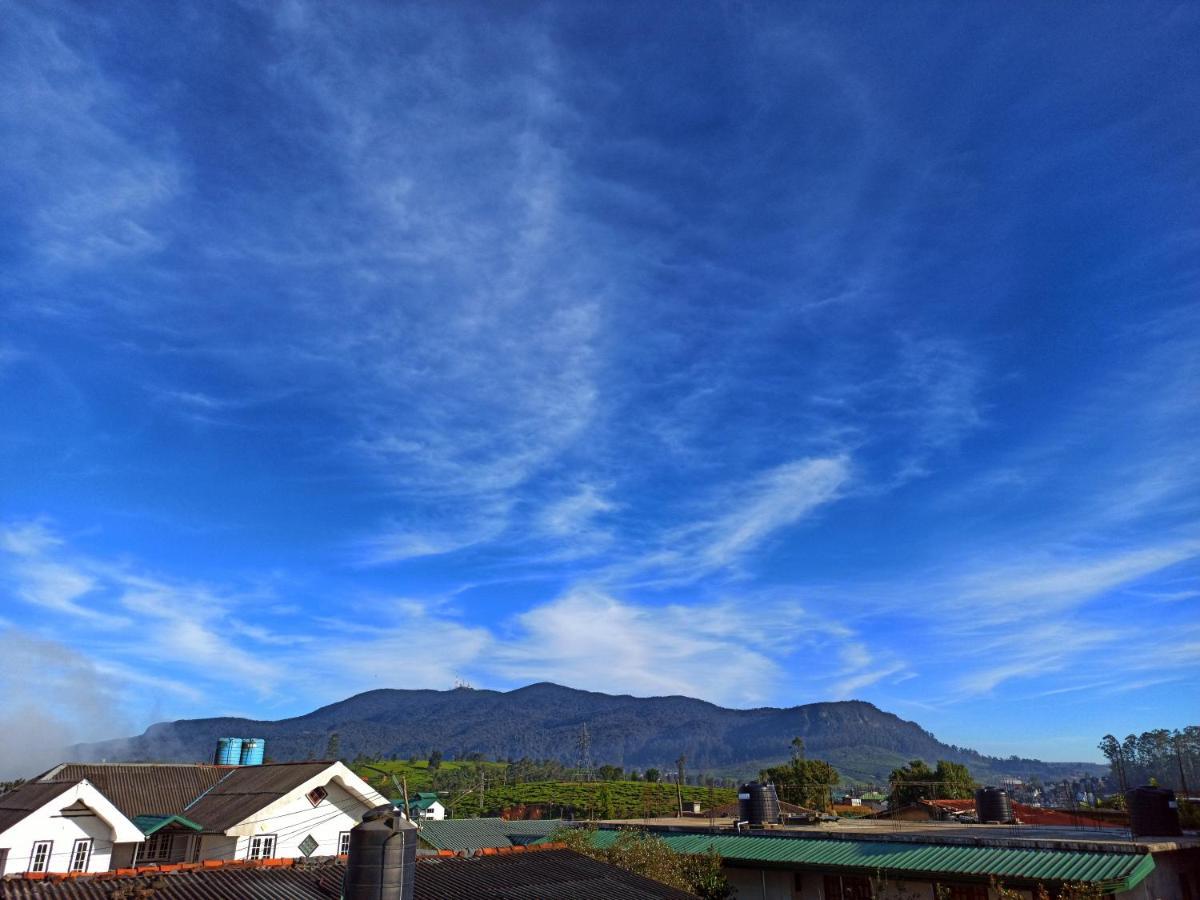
(205, 792)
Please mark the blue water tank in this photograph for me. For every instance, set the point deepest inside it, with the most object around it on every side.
(229, 752)
(252, 751)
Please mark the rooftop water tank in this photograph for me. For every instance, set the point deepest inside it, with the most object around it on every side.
(383, 857)
(993, 805)
(758, 804)
(1153, 811)
(229, 752)
(252, 751)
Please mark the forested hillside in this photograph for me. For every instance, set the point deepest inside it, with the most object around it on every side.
(543, 721)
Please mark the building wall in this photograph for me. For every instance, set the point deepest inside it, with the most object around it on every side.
(774, 884)
(1175, 875)
(63, 830)
(761, 884)
(218, 846)
(298, 819)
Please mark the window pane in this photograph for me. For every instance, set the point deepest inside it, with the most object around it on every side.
(79, 855)
(40, 859)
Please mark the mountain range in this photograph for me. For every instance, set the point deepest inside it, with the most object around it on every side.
(544, 721)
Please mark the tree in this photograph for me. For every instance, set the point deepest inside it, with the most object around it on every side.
(1111, 748)
(954, 781)
(912, 782)
(610, 773)
(805, 782)
(651, 857)
(333, 749)
(435, 760)
(653, 775)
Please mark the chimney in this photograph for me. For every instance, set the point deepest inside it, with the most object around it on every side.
(383, 857)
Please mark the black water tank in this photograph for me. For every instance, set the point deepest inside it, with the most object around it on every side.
(993, 805)
(758, 804)
(383, 857)
(1152, 811)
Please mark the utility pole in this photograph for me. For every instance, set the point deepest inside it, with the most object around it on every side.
(482, 788)
(401, 786)
(679, 763)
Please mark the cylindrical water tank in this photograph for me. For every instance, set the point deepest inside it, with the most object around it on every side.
(229, 751)
(252, 751)
(383, 857)
(1152, 811)
(993, 805)
(758, 804)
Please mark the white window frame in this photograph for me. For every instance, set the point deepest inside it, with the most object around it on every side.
(343, 843)
(317, 795)
(262, 846)
(81, 846)
(157, 847)
(42, 865)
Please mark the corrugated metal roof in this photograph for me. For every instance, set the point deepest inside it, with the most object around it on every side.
(246, 790)
(1113, 871)
(24, 799)
(517, 876)
(476, 834)
(151, 824)
(143, 789)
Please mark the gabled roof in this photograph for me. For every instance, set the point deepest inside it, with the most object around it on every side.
(151, 824)
(27, 798)
(54, 796)
(143, 789)
(551, 872)
(245, 790)
(476, 834)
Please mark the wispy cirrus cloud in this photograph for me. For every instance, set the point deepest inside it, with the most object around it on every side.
(93, 184)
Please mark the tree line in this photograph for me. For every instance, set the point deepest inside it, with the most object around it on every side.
(1160, 756)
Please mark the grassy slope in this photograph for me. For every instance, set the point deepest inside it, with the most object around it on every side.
(602, 799)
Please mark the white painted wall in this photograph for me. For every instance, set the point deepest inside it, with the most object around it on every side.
(79, 813)
(436, 811)
(63, 831)
(291, 822)
(339, 811)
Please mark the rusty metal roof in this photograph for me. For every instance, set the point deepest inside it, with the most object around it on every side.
(537, 875)
(246, 790)
(143, 789)
(216, 797)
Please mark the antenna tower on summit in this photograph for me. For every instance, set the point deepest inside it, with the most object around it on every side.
(583, 766)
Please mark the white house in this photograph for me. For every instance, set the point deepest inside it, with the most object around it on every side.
(426, 806)
(282, 811)
(195, 812)
(62, 826)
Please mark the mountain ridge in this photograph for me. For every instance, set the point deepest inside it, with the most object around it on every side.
(543, 721)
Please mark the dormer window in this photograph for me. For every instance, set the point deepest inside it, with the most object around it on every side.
(316, 795)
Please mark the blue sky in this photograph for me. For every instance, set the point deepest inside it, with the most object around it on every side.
(762, 353)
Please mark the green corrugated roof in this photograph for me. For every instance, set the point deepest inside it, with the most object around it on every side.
(151, 824)
(1111, 871)
(475, 834)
